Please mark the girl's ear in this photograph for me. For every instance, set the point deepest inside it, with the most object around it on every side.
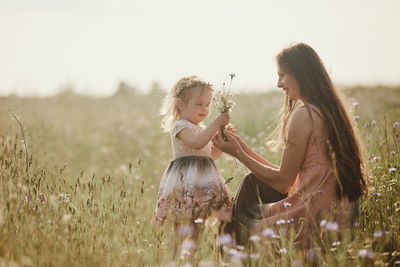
(180, 104)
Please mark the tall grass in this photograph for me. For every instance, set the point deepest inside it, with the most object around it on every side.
(94, 168)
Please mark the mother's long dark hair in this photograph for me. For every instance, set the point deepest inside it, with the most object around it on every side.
(316, 88)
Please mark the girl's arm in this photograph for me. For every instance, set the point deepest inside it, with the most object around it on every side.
(197, 141)
(282, 178)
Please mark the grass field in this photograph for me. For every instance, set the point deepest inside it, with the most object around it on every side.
(94, 168)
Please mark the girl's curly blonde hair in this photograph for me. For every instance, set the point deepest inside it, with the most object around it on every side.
(183, 89)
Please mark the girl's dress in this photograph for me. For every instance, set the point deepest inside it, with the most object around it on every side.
(311, 206)
(191, 186)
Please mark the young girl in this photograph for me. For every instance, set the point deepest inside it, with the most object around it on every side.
(191, 186)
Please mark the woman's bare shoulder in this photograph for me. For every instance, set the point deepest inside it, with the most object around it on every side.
(300, 123)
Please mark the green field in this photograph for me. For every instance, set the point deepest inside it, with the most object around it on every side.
(95, 165)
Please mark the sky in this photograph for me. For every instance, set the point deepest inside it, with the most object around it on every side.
(93, 45)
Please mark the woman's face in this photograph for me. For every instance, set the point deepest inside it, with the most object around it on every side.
(289, 84)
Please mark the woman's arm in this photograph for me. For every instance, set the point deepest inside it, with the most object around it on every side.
(197, 141)
(283, 177)
(254, 155)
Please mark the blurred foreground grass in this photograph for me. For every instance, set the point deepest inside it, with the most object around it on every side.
(95, 165)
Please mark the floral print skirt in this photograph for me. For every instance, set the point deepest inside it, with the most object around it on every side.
(191, 188)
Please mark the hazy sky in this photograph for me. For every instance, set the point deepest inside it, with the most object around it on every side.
(94, 44)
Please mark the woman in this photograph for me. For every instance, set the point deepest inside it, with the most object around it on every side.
(322, 173)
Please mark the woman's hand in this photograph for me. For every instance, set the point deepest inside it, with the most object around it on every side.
(232, 129)
(231, 146)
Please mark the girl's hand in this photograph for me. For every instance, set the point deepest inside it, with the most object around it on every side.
(231, 146)
(223, 119)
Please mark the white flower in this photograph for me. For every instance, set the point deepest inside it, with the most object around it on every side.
(188, 244)
(332, 226)
(378, 234)
(287, 204)
(322, 223)
(66, 217)
(396, 124)
(376, 159)
(184, 253)
(268, 232)
(254, 255)
(392, 170)
(356, 117)
(206, 263)
(281, 221)
(283, 251)
(199, 220)
(254, 238)
(225, 240)
(336, 243)
(364, 253)
(373, 122)
(185, 230)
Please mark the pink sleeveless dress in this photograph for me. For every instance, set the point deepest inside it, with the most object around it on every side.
(191, 186)
(311, 203)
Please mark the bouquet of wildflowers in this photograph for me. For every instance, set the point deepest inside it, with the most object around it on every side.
(223, 101)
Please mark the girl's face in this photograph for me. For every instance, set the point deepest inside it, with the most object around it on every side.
(197, 107)
(289, 84)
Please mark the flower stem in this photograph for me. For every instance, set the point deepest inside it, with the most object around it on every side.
(222, 133)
